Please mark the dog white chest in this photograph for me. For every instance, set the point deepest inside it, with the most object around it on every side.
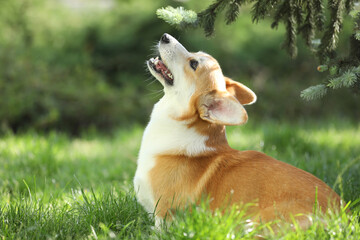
(163, 135)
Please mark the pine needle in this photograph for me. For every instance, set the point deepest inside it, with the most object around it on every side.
(177, 16)
(314, 92)
(347, 79)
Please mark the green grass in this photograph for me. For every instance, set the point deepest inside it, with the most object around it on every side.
(53, 186)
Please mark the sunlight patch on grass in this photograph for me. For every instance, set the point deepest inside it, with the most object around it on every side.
(332, 137)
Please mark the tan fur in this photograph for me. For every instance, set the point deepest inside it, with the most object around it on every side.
(241, 177)
(239, 91)
(228, 176)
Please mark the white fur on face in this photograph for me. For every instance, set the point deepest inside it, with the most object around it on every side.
(175, 56)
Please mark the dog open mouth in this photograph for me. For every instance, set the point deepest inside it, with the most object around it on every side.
(158, 66)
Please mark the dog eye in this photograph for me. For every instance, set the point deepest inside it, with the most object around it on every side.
(194, 64)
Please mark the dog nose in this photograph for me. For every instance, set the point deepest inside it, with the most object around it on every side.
(165, 38)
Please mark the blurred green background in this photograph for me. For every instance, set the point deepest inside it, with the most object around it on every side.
(78, 64)
(75, 95)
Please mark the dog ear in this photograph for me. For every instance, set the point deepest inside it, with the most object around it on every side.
(242, 93)
(221, 108)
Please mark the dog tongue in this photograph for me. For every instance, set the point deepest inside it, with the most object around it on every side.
(161, 66)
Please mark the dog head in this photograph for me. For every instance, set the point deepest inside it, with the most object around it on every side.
(195, 85)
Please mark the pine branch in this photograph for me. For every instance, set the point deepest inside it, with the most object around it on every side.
(208, 16)
(291, 12)
(280, 13)
(290, 38)
(298, 12)
(304, 17)
(209, 23)
(349, 5)
(356, 17)
(347, 79)
(330, 38)
(319, 14)
(314, 92)
(177, 16)
(261, 8)
(233, 11)
(308, 28)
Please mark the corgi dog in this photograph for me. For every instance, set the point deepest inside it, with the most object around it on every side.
(184, 153)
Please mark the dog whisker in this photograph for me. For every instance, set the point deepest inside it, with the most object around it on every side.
(155, 94)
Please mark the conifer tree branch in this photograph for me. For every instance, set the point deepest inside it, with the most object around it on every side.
(179, 17)
(233, 11)
(330, 38)
(300, 17)
(347, 79)
(314, 92)
(319, 14)
(308, 28)
(280, 13)
(349, 5)
(290, 38)
(298, 12)
(208, 16)
(259, 10)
